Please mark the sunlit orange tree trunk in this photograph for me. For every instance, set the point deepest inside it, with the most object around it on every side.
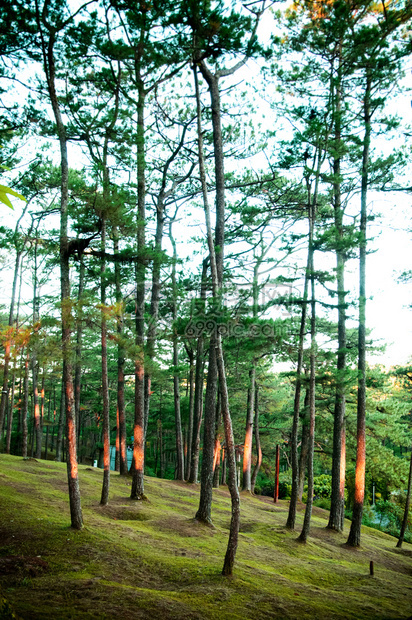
(48, 33)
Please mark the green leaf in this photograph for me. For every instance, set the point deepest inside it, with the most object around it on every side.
(4, 190)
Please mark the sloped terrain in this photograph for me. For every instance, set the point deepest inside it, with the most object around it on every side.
(152, 560)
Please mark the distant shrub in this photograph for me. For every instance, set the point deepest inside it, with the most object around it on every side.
(323, 502)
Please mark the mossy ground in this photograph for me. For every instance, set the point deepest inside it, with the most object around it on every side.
(152, 560)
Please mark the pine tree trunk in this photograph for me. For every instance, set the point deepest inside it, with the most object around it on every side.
(407, 504)
(191, 356)
(247, 450)
(304, 448)
(176, 378)
(59, 441)
(79, 339)
(277, 471)
(291, 520)
(338, 476)
(216, 264)
(105, 379)
(205, 504)
(257, 441)
(120, 361)
(312, 378)
(25, 406)
(355, 529)
(198, 397)
(5, 388)
(206, 477)
(137, 491)
(10, 418)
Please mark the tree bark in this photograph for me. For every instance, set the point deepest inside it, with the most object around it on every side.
(216, 264)
(291, 520)
(105, 379)
(79, 339)
(25, 406)
(191, 356)
(121, 409)
(199, 378)
(304, 448)
(137, 491)
(257, 441)
(312, 377)
(355, 528)
(407, 504)
(276, 492)
(66, 315)
(247, 450)
(338, 473)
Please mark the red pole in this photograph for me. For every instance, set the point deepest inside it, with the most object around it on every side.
(276, 495)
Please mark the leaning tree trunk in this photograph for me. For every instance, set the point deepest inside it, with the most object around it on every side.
(205, 502)
(66, 314)
(355, 528)
(216, 264)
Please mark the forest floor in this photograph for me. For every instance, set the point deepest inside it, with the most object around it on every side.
(151, 559)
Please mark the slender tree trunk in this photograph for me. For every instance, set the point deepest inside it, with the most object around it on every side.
(10, 418)
(199, 377)
(407, 504)
(79, 340)
(312, 379)
(59, 441)
(191, 356)
(277, 472)
(105, 379)
(5, 388)
(25, 406)
(247, 451)
(224, 473)
(257, 441)
(291, 520)
(206, 480)
(121, 409)
(205, 503)
(216, 264)
(355, 529)
(66, 314)
(137, 491)
(338, 476)
(304, 448)
(218, 444)
(176, 377)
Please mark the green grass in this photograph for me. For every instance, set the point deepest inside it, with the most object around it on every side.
(152, 560)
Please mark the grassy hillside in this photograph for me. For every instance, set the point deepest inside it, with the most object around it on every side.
(152, 560)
